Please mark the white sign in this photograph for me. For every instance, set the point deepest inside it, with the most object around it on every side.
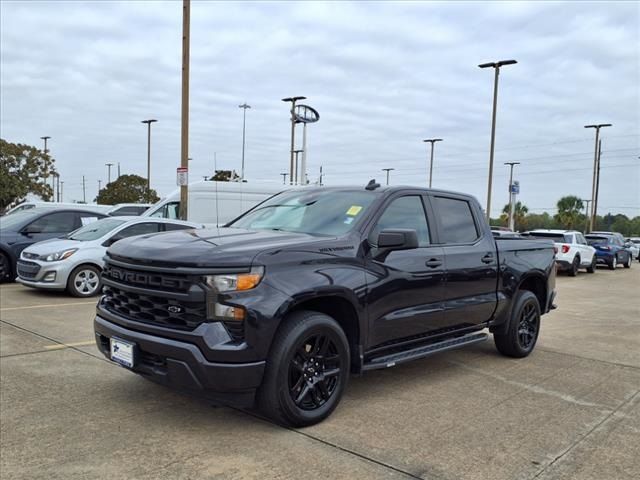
(182, 176)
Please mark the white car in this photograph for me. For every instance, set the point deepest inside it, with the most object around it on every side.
(633, 244)
(74, 263)
(572, 250)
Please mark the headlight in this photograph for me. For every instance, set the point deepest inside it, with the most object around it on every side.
(236, 281)
(61, 255)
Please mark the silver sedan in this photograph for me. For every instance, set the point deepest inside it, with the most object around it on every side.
(74, 263)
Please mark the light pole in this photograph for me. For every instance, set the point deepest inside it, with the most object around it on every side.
(586, 214)
(296, 167)
(387, 170)
(244, 107)
(109, 165)
(58, 186)
(595, 170)
(45, 138)
(496, 66)
(100, 186)
(149, 122)
(293, 101)
(284, 178)
(62, 191)
(431, 141)
(512, 196)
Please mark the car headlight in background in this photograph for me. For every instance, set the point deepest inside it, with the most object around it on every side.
(230, 282)
(56, 256)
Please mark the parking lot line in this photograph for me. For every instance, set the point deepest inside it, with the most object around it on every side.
(46, 306)
(59, 346)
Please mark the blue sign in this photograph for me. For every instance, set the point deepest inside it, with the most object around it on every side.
(515, 187)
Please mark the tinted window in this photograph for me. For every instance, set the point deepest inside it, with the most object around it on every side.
(175, 226)
(138, 229)
(581, 239)
(62, 222)
(594, 239)
(170, 210)
(557, 237)
(456, 219)
(404, 212)
(128, 211)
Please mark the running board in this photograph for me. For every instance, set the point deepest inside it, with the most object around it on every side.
(393, 359)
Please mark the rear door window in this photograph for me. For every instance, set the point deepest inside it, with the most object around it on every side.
(139, 229)
(61, 222)
(456, 220)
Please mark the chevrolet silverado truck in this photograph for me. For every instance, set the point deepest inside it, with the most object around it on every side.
(278, 308)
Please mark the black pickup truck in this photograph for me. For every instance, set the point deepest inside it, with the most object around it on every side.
(280, 306)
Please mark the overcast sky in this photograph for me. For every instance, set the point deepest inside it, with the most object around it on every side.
(383, 76)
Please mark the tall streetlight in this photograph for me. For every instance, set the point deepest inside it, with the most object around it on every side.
(284, 178)
(586, 213)
(109, 165)
(496, 66)
(45, 138)
(149, 122)
(244, 107)
(293, 101)
(595, 170)
(512, 196)
(387, 170)
(296, 168)
(62, 191)
(431, 141)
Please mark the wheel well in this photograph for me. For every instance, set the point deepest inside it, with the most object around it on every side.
(537, 286)
(343, 312)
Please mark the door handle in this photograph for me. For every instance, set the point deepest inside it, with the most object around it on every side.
(488, 258)
(433, 263)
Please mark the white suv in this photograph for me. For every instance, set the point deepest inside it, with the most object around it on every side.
(572, 250)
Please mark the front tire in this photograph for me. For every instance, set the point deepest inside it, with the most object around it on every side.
(84, 281)
(307, 370)
(524, 327)
(5, 268)
(614, 263)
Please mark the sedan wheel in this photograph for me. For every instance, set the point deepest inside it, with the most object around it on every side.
(614, 263)
(84, 281)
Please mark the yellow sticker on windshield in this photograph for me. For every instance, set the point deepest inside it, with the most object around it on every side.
(354, 210)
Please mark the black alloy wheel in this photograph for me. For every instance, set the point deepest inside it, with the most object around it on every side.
(314, 372)
(627, 264)
(575, 265)
(592, 268)
(528, 326)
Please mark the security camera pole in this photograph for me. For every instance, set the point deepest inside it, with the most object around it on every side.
(184, 134)
(496, 66)
(387, 170)
(595, 170)
(244, 107)
(431, 141)
(512, 196)
(293, 101)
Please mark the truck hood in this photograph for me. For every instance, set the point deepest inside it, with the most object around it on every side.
(216, 247)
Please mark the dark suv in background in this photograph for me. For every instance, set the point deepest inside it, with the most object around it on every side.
(26, 227)
(610, 249)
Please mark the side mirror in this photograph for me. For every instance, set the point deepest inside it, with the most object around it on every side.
(397, 239)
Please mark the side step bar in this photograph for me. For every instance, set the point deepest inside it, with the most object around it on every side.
(392, 359)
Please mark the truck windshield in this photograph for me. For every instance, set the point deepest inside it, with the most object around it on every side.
(327, 212)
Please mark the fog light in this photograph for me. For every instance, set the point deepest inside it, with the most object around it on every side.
(227, 312)
(50, 277)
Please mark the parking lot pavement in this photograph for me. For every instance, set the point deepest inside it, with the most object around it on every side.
(570, 410)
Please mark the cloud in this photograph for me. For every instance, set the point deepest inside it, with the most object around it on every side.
(383, 75)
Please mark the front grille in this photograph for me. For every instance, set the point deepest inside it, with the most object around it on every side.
(154, 309)
(147, 280)
(28, 270)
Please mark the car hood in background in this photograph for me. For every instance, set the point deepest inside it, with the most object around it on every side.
(52, 246)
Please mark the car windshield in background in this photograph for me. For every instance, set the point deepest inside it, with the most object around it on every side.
(95, 230)
(594, 240)
(558, 237)
(327, 212)
(17, 218)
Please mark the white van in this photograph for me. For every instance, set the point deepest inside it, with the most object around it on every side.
(94, 207)
(215, 203)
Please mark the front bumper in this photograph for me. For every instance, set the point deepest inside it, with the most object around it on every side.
(182, 366)
(38, 274)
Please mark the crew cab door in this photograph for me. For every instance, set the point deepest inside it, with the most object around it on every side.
(405, 287)
(471, 261)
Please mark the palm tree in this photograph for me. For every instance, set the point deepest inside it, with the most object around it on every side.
(519, 215)
(569, 211)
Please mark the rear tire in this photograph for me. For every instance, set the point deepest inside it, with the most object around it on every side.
(613, 264)
(628, 262)
(5, 268)
(307, 370)
(575, 265)
(524, 327)
(592, 268)
(84, 281)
